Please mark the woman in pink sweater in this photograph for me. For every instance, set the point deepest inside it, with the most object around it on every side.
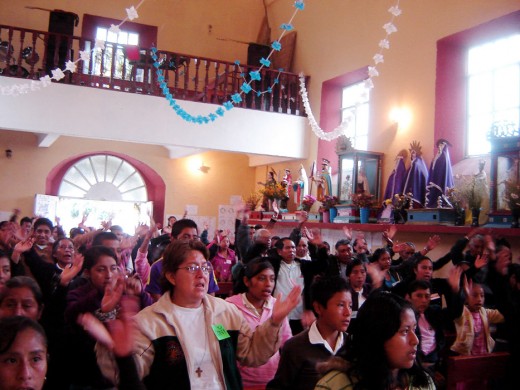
(253, 298)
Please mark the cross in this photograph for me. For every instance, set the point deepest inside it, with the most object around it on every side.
(198, 371)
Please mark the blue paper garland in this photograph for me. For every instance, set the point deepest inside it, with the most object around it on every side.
(245, 87)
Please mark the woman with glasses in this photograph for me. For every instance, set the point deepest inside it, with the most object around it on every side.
(190, 339)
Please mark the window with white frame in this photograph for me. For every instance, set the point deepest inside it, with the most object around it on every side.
(114, 53)
(493, 90)
(355, 103)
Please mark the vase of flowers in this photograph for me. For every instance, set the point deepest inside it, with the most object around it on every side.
(512, 196)
(456, 201)
(401, 203)
(327, 208)
(363, 202)
(272, 193)
(307, 202)
(472, 192)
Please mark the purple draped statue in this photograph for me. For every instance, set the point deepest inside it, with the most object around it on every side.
(396, 180)
(416, 176)
(440, 177)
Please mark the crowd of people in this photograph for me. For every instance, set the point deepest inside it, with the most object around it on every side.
(101, 309)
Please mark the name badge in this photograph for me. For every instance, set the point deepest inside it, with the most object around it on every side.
(220, 332)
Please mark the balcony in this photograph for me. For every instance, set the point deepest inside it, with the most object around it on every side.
(269, 127)
(31, 54)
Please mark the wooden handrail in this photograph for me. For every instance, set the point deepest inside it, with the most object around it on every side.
(193, 78)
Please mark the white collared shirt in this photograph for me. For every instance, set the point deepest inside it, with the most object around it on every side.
(289, 276)
(315, 337)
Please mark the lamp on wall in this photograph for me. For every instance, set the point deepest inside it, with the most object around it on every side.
(402, 117)
(204, 168)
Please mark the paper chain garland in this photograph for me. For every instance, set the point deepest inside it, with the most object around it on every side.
(58, 74)
(378, 58)
(245, 88)
(299, 5)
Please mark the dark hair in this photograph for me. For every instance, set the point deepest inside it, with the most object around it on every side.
(104, 236)
(26, 219)
(43, 221)
(354, 243)
(354, 263)
(175, 253)
(76, 231)
(378, 253)
(343, 241)
(415, 285)
(419, 259)
(279, 244)
(93, 254)
(249, 271)
(378, 320)
(322, 289)
(57, 244)
(256, 250)
(20, 282)
(4, 254)
(182, 224)
(10, 327)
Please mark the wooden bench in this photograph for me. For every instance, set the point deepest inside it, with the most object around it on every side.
(475, 372)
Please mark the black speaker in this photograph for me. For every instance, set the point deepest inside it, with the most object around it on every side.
(60, 22)
(255, 52)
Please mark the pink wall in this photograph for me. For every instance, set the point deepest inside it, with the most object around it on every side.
(330, 115)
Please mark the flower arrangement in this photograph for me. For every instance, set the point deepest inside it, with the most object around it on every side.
(362, 200)
(252, 200)
(401, 201)
(307, 202)
(471, 191)
(512, 194)
(455, 199)
(274, 191)
(328, 202)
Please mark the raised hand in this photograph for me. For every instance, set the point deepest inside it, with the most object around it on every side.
(481, 260)
(113, 295)
(282, 308)
(70, 272)
(133, 285)
(390, 233)
(454, 278)
(24, 245)
(348, 232)
(432, 243)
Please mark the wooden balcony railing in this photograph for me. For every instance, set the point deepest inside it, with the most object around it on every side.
(31, 54)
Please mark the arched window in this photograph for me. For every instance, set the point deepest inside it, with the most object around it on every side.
(103, 177)
(105, 185)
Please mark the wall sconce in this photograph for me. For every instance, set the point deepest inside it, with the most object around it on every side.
(204, 168)
(402, 117)
(8, 153)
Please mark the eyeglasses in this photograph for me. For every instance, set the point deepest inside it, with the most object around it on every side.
(188, 237)
(206, 269)
(64, 247)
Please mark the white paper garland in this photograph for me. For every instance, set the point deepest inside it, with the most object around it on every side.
(378, 58)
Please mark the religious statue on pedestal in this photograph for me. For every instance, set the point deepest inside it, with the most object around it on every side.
(440, 177)
(417, 175)
(300, 186)
(324, 180)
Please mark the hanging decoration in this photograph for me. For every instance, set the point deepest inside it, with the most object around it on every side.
(378, 58)
(245, 88)
(70, 66)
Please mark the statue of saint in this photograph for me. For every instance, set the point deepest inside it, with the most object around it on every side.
(301, 186)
